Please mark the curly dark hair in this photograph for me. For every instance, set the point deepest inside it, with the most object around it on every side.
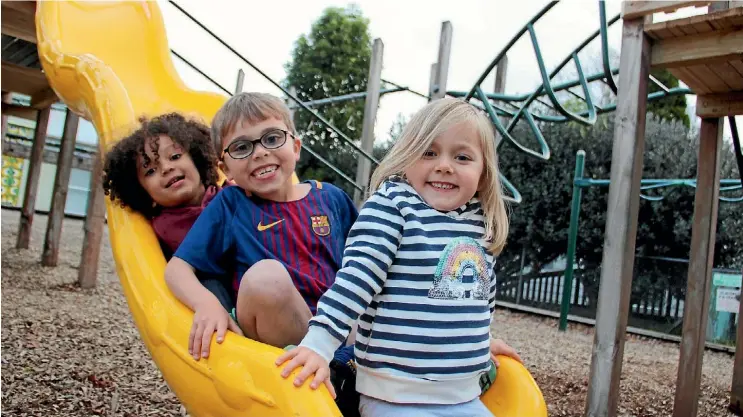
(120, 180)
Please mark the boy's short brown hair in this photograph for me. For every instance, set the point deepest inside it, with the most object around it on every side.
(251, 107)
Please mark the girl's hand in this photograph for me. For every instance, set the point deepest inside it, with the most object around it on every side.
(499, 347)
(313, 364)
(209, 317)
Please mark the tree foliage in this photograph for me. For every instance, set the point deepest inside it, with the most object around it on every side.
(332, 60)
(539, 225)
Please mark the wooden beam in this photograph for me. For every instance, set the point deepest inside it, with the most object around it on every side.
(704, 48)
(18, 19)
(94, 220)
(621, 223)
(721, 18)
(50, 256)
(442, 65)
(371, 105)
(720, 105)
(432, 81)
(44, 98)
(635, 9)
(500, 85)
(32, 179)
(19, 149)
(24, 80)
(736, 390)
(699, 281)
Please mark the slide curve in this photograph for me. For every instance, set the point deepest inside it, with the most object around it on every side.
(110, 63)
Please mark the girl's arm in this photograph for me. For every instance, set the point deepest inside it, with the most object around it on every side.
(370, 250)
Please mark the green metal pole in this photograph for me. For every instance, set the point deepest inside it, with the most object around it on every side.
(580, 162)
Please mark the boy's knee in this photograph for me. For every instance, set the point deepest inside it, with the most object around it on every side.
(268, 282)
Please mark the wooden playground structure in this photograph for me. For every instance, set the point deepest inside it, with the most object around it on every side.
(704, 51)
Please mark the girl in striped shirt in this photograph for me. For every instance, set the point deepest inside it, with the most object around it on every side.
(417, 273)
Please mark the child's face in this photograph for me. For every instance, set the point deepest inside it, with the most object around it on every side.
(266, 173)
(448, 174)
(170, 177)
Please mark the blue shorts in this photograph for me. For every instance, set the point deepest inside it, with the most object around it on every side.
(372, 407)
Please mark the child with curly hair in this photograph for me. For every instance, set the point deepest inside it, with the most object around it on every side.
(166, 170)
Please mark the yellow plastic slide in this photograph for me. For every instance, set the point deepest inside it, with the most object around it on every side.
(110, 63)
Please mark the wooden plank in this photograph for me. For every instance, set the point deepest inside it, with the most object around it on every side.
(24, 80)
(44, 98)
(32, 179)
(371, 105)
(728, 74)
(720, 105)
(19, 149)
(738, 65)
(696, 302)
(94, 222)
(714, 83)
(691, 80)
(621, 223)
(662, 33)
(635, 9)
(50, 255)
(697, 49)
(18, 19)
(442, 65)
(736, 390)
(501, 74)
(432, 80)
(723, 19)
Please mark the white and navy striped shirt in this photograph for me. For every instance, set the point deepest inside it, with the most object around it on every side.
(421, 284)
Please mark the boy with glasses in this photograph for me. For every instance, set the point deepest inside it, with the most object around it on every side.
(285, 240)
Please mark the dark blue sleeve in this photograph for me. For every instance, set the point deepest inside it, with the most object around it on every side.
(211, 236)
(346, 209)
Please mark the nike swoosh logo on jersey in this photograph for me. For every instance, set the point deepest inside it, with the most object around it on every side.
(262, 228)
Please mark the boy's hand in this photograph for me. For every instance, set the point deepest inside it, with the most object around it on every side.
(312, 363)
(209, 316)
(499, 347)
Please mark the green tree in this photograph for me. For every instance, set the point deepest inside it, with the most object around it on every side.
(669, 108)
(332, 60)
(539, 225)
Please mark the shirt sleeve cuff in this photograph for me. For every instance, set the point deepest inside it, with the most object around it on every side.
(321, 342)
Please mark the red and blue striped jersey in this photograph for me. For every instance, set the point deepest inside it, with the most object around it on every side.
(307, 236)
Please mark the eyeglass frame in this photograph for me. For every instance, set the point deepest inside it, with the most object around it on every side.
(254, 142)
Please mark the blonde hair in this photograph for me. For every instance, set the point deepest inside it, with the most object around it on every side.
(250, 107)
(418, 135)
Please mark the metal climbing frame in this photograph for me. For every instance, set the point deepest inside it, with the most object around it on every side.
(521, 106)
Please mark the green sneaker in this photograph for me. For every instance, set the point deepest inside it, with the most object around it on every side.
(488, 378)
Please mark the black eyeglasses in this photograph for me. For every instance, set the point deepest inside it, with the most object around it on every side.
(243, 148)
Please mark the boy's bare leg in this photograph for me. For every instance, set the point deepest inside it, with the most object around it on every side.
(269, 307)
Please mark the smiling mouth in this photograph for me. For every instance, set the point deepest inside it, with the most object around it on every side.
(265, 171)
(174, 180)
(443, 186)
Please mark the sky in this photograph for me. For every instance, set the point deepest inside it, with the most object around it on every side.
(265, 33)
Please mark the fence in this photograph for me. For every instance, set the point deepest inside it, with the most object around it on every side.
(656, 301)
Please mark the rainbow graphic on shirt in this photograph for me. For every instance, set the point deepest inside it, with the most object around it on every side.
(462, 255)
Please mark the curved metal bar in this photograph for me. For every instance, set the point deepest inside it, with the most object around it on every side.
(516, 197)
(544, 153)
(547, 86)
(508, 46)
(604, 28)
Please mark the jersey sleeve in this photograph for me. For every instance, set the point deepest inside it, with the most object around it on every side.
(348, 213)
(210, 238)
(371, 248)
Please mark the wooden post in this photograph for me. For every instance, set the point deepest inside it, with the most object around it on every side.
(736, 391)
(6, 98)
(240, 81)
(32, 179)
(500, 85)
(442, 69)
(432, 81)
(50, 256)
(699, 281)
(94, 220)
(371, 104)
(621, 223)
